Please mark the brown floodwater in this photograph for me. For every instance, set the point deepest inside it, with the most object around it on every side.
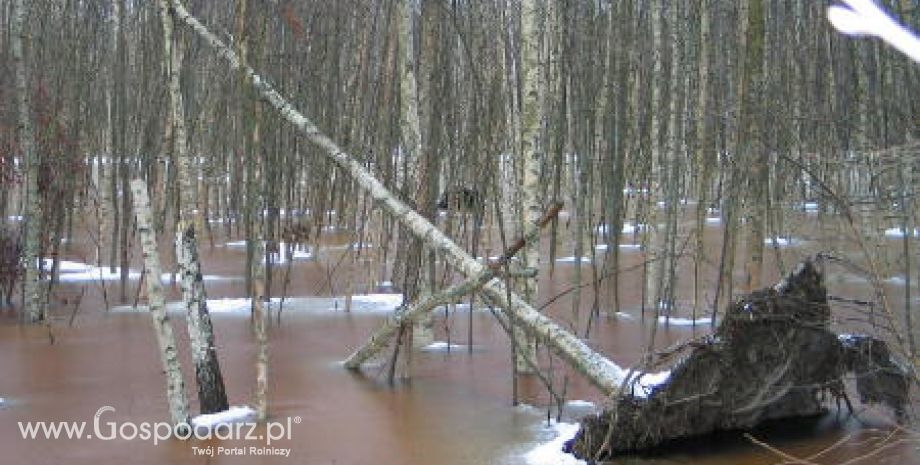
(456, 408)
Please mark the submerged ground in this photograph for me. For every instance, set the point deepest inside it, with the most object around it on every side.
(457, 408)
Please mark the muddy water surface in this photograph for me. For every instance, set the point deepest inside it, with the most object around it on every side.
(456, 409)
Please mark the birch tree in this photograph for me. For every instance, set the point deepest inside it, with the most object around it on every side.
(34, 308)
(211, 392)
(530, 154)
(416, 153)
(166, 340)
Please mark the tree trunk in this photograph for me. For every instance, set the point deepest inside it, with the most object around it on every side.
(531, 155)
(410, 127)
(34, 307)
(211, 392)
(175, 386)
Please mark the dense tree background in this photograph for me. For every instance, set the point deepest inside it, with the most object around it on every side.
(747, 108)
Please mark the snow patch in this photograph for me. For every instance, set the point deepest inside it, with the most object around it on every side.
(385, 302)
(604, 247)
(580, 404)
(235, 414)
(628, 228)
(74, 272)
(493, 259)
(624, 315)
(442, 346)
(674, 321)
(361, 304)
(68, 266)
(900, 232)
(783, 241)
(550, 453)
(297, 254)
(811, 207)
(92, 273)
(635, 190)
(352, 246)
(573, 260)
(663, 204)
(648, 382)
(713, 220)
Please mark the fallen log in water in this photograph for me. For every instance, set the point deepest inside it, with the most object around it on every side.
(772, 357)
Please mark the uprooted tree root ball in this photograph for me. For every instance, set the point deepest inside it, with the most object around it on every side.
(772, 357)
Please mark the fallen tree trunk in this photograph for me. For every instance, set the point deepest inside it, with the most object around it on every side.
(424, 306)
(596, 368)
(772, 356)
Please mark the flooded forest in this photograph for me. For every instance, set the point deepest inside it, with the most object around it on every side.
(459, 232)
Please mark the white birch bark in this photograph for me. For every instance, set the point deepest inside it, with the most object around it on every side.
(34, 311)
(259, 315)
(411, 130)
(166, 340)
(596, 368)
(655, 270)
(259, 319)
(531, 155)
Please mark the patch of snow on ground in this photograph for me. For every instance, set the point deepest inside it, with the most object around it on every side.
(896, 280)
(550, 453)
(899, 232)
(635, 190)
(93, 273)
(302, 254)
(385, 302)
(663, 204)
(811, 207)
(297, 254)
(66, 266)
(73, 272)
(713, 220)
(674, 321)
(235, 414)
(580, 404)
(572, 260)
(229, 305)
(352, 246)
(494, 259)
(628, 228)
(14, 218)
(783, 241)
(361, 304)
(603, 247)
(624, 315)
(441, 346)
